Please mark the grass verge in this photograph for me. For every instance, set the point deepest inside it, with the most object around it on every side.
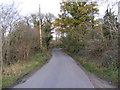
(12, 73)
(102, 72)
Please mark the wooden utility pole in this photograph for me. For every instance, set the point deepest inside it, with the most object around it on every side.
(41, 47)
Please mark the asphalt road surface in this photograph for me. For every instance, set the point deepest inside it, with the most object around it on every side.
(60, 72)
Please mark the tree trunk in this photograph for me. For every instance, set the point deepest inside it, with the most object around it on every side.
(1, 59)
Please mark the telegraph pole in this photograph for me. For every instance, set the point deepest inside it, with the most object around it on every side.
(41, 47)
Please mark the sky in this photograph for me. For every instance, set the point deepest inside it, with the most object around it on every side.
(28, 7)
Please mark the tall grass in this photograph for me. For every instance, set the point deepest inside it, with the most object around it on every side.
(109, 74)
(19, 69)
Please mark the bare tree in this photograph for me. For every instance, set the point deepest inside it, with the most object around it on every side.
(9, 18)
(0, 56)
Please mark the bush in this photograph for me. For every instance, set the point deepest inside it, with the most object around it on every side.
(23, 43)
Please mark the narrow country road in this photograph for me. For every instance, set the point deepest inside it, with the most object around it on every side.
(60, 72)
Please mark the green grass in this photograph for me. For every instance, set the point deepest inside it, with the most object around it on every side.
(102, 72)
(18, 70)
(0, 83)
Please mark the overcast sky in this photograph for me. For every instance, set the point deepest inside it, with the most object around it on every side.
(53, 6)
